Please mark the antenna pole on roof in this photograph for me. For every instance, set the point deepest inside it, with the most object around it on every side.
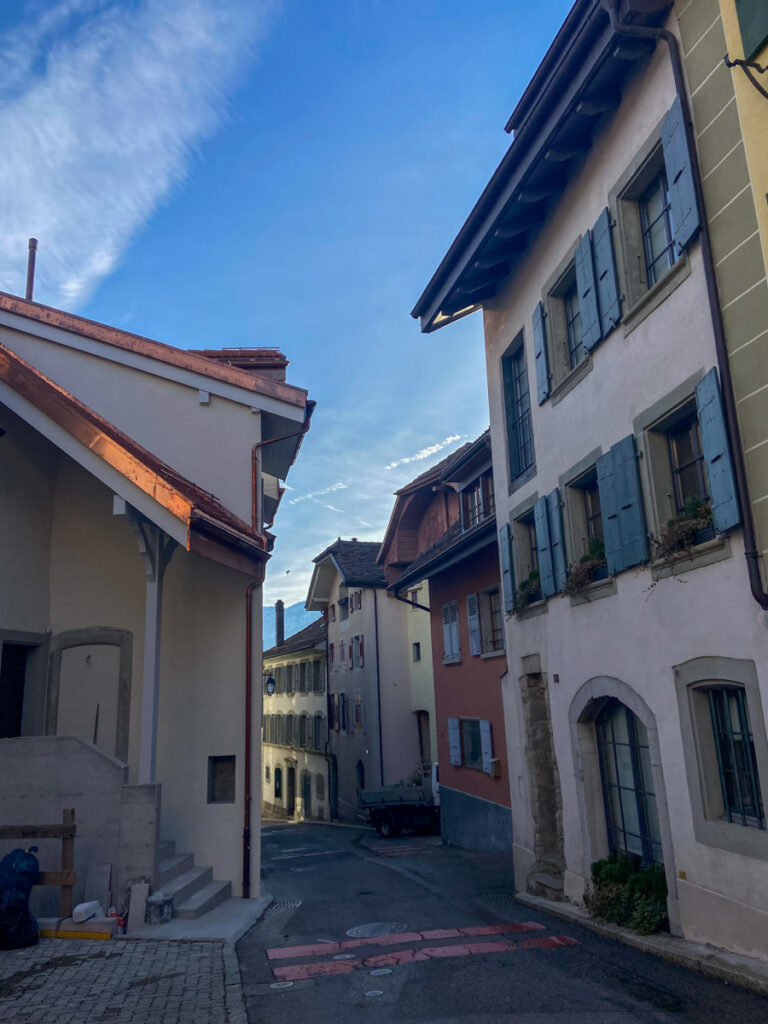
(31, 269)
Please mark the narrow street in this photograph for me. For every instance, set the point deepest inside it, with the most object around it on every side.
(411, 930)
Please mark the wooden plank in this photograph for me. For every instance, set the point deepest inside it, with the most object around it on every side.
(38, 831)
(56, 878)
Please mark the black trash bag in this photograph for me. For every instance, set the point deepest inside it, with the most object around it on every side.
(19, 871)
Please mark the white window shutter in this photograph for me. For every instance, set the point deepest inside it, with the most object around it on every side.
(447, 629)
(454, 741)
(473, 615)
(486, 745)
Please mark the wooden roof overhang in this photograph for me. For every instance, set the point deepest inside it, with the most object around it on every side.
(447, 552)
(577, 86)
(193, 517)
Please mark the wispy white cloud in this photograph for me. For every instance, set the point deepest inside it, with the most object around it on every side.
(318, 494)
(425, 452)
(101, 106)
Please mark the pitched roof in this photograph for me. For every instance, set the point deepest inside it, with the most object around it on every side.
(207, 365)
(199, 510)
(434, 472)
(454, 545)
(356, 561)
(310, 636)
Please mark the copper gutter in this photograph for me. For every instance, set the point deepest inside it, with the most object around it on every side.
(715, 311)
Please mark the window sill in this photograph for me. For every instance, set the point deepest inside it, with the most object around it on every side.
(494, 654)
(453, 659)
(534, 609)
(708, 553)
(646, 304)
(569, 382)
(594, 591)
(525, 476)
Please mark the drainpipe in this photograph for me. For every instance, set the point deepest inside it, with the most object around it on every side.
(248, 739)
(729, 402)
(256, 460)
(378, 682)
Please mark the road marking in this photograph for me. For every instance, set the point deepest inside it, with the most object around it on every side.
(399, 938)
(297, 972)
(317, 853)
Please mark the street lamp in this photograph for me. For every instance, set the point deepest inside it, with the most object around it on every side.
(269, 685)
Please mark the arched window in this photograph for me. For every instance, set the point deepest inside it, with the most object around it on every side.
(278, 783)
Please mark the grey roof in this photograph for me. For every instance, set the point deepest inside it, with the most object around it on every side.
(356, 560)
(306, 638)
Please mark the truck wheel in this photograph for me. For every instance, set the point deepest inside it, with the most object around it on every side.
(388, 827)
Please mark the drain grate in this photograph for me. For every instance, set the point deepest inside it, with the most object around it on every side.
(286, 905)
(499, 897)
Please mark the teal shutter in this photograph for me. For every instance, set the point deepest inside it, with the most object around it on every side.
(473, 618)
(629, 497)
(753, 22)
(587, 289)
(604, 259)
(544, 548)
(507, 576)
(714, 443)
(540, 354)
(454, 741)
(486, 746)
(557, 538)
(682, 194)
(609, 509)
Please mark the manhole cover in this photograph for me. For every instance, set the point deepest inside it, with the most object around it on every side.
(379, 971)
(281, 984)
(370, 931)
(375, 992)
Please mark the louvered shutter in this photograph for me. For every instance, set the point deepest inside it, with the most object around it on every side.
(362, 652)
(608, 302)
(714, 443)
(486, 745)
(609, 509)
(455, 628)
(473, 616)
(544, 548)
(454, 741)
(629, 497)
(540, 354)
(682, 194)
(587, 289)
(557, 538)
(446, 631)
(753, 22)
(507, 578)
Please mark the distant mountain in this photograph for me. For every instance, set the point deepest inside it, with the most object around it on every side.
(296, 618)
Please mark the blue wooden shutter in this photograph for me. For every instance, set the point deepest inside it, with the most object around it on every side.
(585, 285)
(557, 538)
(540, 354)
(473, 618)
(629, 498)
(714, 443)
(544, 548)
(507, 577)
(609, 509)
(454, 741)
(486, 745)
(682, 194)
(608, 301)
(753, 22)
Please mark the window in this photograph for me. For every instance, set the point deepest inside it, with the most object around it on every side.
(354, 652)
(280, 729)
(517, 405)
(303, 682)
(303, 729)
(280, 680)
(451, 648)
(563, 331)
(736, 761)
(278, 783)
(343, 609)
(343, 718)
(491, 620)
(332, 613)
(625, 767)
(317, 671)
(527, 557)
(335, 716)
(689, 475)
(416, 651)
(357, 710)
(477, 501)
(657, 230)
(471, 745)
(267, 773)
(414, 595)
(343, 653)
(221, 780)
(471, 748)
(318, 732)
(587, 540)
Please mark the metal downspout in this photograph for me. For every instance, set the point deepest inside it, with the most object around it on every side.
(378, 682)
(729, 402)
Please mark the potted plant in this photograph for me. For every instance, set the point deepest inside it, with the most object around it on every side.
(682, 532)
(626, 893)
(528, 591)
(591, 566)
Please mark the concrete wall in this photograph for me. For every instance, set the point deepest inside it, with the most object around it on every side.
(473, 823)
(398, 720)
(41, 776)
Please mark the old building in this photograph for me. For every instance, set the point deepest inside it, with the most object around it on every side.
(442, 536)
(375, 719)
(636, 695)
(295, 724)
(135, 482)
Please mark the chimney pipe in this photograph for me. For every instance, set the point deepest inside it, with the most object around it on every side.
(31, 269)
(279, 623)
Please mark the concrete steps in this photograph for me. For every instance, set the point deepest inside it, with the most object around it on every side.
(192, 890)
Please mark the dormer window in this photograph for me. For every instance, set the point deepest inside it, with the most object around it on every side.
(477, 501)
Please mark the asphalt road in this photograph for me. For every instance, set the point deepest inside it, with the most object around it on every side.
(367, 929)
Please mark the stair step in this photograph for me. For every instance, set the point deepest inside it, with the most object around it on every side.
(203, 900)
(173, 866)
(166, 848)
(549, 881)
(187, 883)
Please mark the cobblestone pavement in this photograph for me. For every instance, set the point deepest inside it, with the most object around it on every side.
(70, 981)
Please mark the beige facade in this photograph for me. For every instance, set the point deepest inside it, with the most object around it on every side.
(295, 728)
(626, 676)
(132, 561)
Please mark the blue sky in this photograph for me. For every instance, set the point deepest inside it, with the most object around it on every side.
(234, 172)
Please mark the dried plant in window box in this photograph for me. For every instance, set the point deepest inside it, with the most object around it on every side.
(690, 527)
(591, 566)
(528, 591)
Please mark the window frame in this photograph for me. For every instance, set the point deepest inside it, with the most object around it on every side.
(451, 651)
(521, 452)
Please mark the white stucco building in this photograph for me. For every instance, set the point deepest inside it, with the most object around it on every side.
(637, 684)
(135, 483)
